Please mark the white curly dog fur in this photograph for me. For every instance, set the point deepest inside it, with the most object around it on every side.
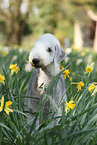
(44, 57)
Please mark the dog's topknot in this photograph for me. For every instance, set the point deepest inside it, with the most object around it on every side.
(49, 39)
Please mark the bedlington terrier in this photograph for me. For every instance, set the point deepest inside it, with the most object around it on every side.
(44, 57)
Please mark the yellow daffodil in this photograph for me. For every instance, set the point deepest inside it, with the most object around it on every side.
(73, 73)
(62, 67)
(14, 68)
(16, 46)
(7, 106)
(89, 68)
(69, 106)
(79, 85)
(75, 48)
(65, 73)
(70, 78)
(82, 53)
(68, 51)
(2, 78)
(91, 88)
(5, 53)
(94, 91)
(79, 61)
(86, 50)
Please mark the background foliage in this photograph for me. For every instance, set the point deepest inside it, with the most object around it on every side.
(34, 18)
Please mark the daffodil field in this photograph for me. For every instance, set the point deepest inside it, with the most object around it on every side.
(78, 122)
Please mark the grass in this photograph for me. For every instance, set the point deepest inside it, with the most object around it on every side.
(77, 126)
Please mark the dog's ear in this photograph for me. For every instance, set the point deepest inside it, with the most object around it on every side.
(59, 54)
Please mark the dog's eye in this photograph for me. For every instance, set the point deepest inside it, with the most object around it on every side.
(49, 49)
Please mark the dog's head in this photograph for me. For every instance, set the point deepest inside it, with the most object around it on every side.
(45, 51)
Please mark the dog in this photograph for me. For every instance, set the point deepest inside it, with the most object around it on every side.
(44, 57)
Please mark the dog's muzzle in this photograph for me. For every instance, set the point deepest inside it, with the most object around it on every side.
(36, 62)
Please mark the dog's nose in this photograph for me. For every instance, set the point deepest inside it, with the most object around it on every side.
(35, 61)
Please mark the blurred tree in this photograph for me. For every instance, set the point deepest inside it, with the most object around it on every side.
(94, 18)
(58, 17)
(78, 40)
(55, 17)
(14, 22)
(82, 6)
(43, 16)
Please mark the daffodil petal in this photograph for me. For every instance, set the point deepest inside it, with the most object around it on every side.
(7, 110)
(2, 78)
(67, 109)
(12, 71)
(2, 102)
(7, 104)
(1, 109)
